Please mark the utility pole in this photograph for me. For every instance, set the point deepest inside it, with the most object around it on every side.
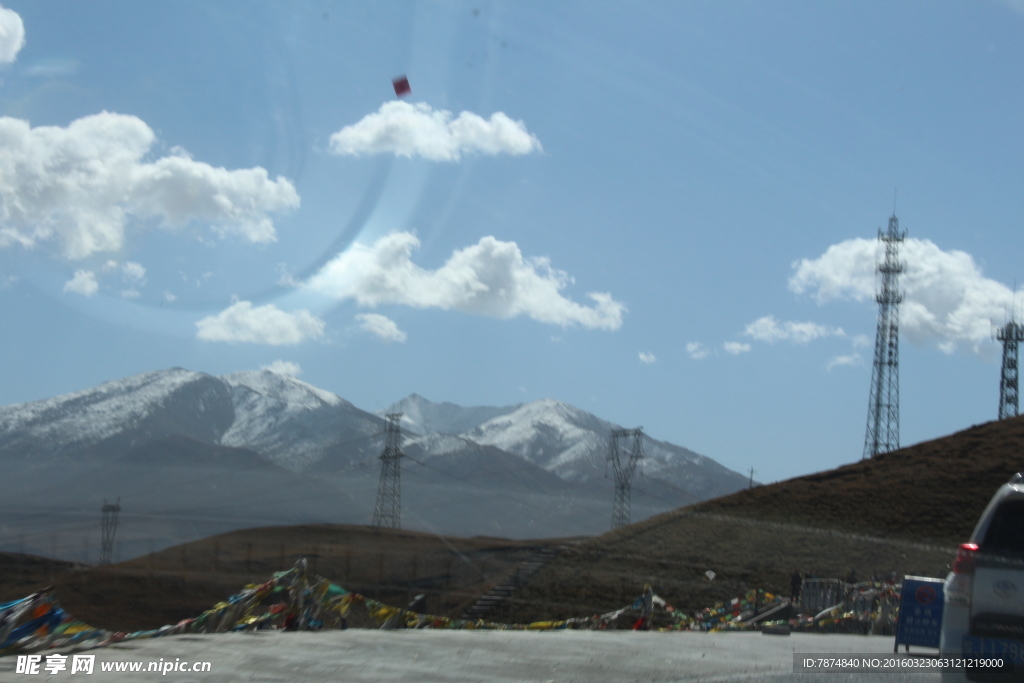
(109, 529)
(624, 472)
(883, 428)
(388, 510)
(1010, 334)
(751, 478)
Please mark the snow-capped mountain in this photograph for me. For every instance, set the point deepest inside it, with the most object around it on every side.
(420, 416)
(566, 441)
(295, 424)
(287, 421)
(190, 454)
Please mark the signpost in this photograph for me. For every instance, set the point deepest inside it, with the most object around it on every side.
(920, 621)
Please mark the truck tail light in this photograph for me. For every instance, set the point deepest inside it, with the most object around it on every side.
(964, 562)
(958, 585)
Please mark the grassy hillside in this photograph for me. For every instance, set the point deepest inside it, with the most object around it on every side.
(902, 512)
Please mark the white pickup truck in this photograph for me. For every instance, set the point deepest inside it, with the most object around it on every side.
(983, 614)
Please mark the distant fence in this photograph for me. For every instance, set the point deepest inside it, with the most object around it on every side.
(819, 594)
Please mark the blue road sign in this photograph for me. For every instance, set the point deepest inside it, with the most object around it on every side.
(920, 621)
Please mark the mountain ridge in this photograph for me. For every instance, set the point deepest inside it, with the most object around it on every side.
(530, 470)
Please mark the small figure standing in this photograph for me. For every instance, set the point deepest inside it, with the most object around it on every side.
(795, 584)
(646, 610)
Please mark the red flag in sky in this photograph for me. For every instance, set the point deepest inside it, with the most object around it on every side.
(401, 86)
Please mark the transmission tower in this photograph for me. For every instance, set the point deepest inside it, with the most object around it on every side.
(1011, 334)
(624, 472)
(388, 510)
(109, 529)
(883, 431)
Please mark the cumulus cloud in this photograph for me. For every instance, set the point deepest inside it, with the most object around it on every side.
(381, 326)
(947, 301)
(647, 358)
(408, 130)
(853, 359)
(736, 348)
(82, 184)
(861, 341)
(134, 272)
(697, 351)
(12, 35)
(83, 282)
(489, 278)
(243, 322)
(768, 329)
(283, 367)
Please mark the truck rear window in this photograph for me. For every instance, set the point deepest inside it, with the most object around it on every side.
(1006, 532)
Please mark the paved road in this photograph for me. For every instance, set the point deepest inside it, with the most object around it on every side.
(383, 656)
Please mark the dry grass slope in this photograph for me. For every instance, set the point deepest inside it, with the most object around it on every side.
(904, 511)
(183, 581)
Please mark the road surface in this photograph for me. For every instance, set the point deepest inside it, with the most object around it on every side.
(502, 656)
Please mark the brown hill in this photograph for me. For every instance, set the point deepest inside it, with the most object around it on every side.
(902, 512)
(183, 581)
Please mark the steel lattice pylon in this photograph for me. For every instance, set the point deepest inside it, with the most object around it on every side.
(883, 430)
(1011, 334)
(109, 530)
(388, 510)
(624, 472)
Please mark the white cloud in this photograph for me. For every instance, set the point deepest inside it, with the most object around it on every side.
(409, 130)
(853, 359)
(169, 297)
(53, 68)
(861, 341)
(83, 282)
(82, 184)
(736, 348)
(947, 299)
(697, 351)
(647, 358)
(283, 367)
(241, 322)
(131, 293)
(284, 278)
(12, 35)
(489, 278)
(381, 326)
(768, 329)
(134, 272)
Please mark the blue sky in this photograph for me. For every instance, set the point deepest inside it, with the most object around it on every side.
(663, 213)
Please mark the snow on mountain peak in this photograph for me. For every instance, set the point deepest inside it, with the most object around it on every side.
(555, 435)
(423, 416)
(96, 413)
(282, 388)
